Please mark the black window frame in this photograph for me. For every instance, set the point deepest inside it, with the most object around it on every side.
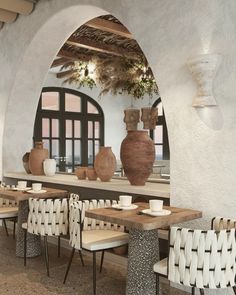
(162, 122)
(62, 115)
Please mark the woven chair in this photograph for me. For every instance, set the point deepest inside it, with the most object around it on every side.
(9, 211)
(47, 217)
(91, 234)
(199, 259)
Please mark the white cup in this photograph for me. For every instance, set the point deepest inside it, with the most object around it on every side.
(156, 205)
(37, 186)
(125, 201)
(22, 184)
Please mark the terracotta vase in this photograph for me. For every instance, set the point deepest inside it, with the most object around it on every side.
(25, 160)
(80, 172)
(105, 164)
(149, 117)
(91, 173)
(137, 155)
(36, 158)
(131, 118)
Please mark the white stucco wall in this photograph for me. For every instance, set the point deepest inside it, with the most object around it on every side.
(202, 142)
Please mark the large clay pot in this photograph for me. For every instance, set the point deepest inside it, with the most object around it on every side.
(49, 167)
(36, 158)
(25, 160)
(137, 155)
(105, 163)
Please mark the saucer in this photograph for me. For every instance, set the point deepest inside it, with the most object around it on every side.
(163, 212)
(37, 192)
(21, 189)
(118, 206)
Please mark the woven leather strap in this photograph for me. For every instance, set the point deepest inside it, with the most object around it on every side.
(8, 203)
(202, 259)
(48, 217)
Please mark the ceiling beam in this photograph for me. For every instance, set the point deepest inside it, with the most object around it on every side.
(64, 74)
(59, 62)
(74, 55)
(108, 49)
(7, 16)
(109, 26)
(17, 6)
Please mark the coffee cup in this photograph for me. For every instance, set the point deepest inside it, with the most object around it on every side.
(156, 205)
(22, 184)
(37, 186)
(125, 201)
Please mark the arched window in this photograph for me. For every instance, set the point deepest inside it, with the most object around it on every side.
(160, 134)
(71, 125)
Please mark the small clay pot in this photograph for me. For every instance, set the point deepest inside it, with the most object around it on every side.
(91, 173)
(80, 172)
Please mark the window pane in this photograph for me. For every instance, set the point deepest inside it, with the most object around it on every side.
(96, 146)
(160, 109)
(55, 128)
(45, 128)
(77, 149)
(158, 135)
(68, 152)
(97, 130)
(55, 148)
(90, 129)
(72, 103)
(77, 129)
(90, 152)
(68, 128)
(91, 108)
(159, 152)
(50, 101)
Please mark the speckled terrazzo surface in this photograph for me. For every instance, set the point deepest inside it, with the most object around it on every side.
(15, 279)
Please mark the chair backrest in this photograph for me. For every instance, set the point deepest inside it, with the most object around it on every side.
(8, 203)
(202, 259)
(48, 217)
(79, 222)
(219, 223)
(73, 198)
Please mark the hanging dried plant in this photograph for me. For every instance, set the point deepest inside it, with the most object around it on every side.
(115, 75)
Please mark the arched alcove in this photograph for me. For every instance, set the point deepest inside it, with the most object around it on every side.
(29, 78)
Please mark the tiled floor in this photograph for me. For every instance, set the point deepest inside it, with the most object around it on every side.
(15, 279)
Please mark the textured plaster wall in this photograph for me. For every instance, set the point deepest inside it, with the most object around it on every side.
(202, 142)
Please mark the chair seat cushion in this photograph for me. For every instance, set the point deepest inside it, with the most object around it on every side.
(95, 240)
(24, 225)
(8, 212)
(161, 267)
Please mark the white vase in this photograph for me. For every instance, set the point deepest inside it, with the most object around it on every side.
(49, 167)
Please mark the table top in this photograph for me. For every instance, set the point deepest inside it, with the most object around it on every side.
(24, 195)
(131, 218)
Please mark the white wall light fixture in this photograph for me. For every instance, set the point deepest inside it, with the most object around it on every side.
(204, 68)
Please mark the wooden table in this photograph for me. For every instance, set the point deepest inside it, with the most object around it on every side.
(143, 241)
(33, 241)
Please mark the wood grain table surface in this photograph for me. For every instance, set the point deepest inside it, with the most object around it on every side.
(132, 219)
(17, 195)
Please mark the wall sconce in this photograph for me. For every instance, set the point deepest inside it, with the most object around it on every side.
(204, 68)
